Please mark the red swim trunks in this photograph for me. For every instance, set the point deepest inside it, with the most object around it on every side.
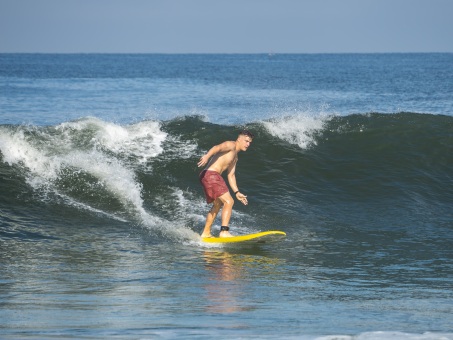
(213, 185)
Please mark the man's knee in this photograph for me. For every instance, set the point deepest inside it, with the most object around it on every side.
(216, 206)
(228, 202)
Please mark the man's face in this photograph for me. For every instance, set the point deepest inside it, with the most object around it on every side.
(245, 142)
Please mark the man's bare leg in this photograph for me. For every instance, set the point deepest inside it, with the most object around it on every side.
(212, 214)
(228, 203)
(225, 202)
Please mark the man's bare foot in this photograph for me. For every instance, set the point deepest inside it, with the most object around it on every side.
(206, 235)
(225, 234)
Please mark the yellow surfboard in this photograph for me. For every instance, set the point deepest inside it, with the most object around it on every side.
(262, 237)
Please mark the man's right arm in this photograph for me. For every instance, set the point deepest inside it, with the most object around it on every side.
(223, 147)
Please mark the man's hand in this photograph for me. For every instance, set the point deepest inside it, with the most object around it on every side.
(242, 198)
(203, 161)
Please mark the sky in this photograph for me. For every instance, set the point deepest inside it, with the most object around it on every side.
(226, 26)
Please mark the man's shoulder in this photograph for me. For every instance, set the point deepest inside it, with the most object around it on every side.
(229, 144)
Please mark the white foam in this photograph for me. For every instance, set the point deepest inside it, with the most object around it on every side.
(45, 162)
(44, 166)
(297, 128)
(142, 140)
(114, 176)
(181, 149)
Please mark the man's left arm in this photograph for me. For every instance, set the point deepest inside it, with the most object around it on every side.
(233, 185)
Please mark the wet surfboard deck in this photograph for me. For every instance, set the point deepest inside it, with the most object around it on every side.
(256, 238)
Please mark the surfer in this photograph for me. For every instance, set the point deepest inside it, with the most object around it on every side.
(219, 158)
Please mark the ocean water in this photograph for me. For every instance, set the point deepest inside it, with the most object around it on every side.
(101, 208)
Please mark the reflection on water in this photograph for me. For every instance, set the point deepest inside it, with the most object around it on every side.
(230, 277)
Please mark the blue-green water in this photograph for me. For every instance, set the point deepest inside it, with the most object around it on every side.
(100, 205)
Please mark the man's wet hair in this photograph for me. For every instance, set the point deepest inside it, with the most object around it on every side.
(247, 133)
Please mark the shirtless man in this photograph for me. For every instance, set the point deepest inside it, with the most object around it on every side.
(218, 159)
